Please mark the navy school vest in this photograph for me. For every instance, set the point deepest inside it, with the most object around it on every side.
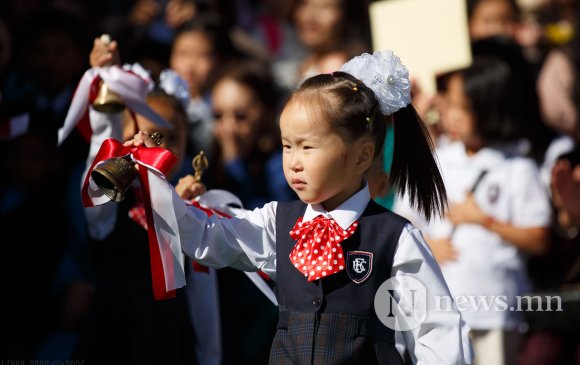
(332, 321)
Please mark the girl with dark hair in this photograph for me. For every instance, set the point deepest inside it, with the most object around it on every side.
(330, 251)
(499, 210)
(125, 313)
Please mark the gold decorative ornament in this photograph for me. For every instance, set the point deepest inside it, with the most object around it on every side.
(200, 164)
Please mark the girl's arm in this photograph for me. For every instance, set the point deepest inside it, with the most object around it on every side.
(530, 239)
(533, 240)
(246, 242)
(437, 333)
(529, 210)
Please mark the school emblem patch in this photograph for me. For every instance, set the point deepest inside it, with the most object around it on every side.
(493, 193)
(359, 265)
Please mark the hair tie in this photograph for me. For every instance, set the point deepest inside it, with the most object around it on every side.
(354, 88)
(385, 75)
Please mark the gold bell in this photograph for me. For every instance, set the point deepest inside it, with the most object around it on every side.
(115, 175)
(107, 101)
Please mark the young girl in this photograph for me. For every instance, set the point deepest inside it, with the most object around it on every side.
(330, 251)
(125, 314)
(499, 211)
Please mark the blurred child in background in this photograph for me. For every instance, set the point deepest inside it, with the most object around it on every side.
(126, 317)
(499, 210)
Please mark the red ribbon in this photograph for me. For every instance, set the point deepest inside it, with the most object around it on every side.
(318, 252)
(161, 160)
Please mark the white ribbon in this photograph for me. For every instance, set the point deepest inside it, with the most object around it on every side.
(131, 88)
(164, 221)
(166, 230)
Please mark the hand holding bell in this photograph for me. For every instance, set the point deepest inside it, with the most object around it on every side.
(107, 101)
(190, 186)
(115, 175)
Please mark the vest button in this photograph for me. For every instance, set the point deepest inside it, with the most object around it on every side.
(316, 302)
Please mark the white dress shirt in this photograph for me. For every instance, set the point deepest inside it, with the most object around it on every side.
(248, 242)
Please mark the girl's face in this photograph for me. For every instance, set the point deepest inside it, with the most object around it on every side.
(192, 57)
(457, 117)
(318, 22)
(318, 165)
(492, 18)
(238, 115)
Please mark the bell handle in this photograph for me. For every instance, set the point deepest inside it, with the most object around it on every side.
(106, 40)
(200, 164)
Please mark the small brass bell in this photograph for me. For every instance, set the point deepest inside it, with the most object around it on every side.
(115, 175)
(107, 101)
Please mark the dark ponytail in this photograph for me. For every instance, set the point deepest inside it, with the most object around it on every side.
(414, 170)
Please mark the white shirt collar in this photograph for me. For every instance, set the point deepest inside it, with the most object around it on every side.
(346, 213)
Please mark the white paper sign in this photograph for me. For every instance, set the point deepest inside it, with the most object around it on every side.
(430, 36)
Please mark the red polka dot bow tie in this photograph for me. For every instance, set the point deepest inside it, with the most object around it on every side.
(317, 252)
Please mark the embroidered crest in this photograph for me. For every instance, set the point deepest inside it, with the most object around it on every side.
(493, 193)
(359, 265)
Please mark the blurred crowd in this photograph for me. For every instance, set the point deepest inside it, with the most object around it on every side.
(240, 59)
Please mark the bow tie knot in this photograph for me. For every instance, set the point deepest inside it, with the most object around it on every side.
(318, 252)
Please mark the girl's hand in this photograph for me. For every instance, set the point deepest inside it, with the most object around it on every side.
(141, 138)
(466, 212)
(187, 188)
(443, 250)
(104, 54)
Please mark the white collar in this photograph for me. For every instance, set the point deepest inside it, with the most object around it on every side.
(346, 214)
